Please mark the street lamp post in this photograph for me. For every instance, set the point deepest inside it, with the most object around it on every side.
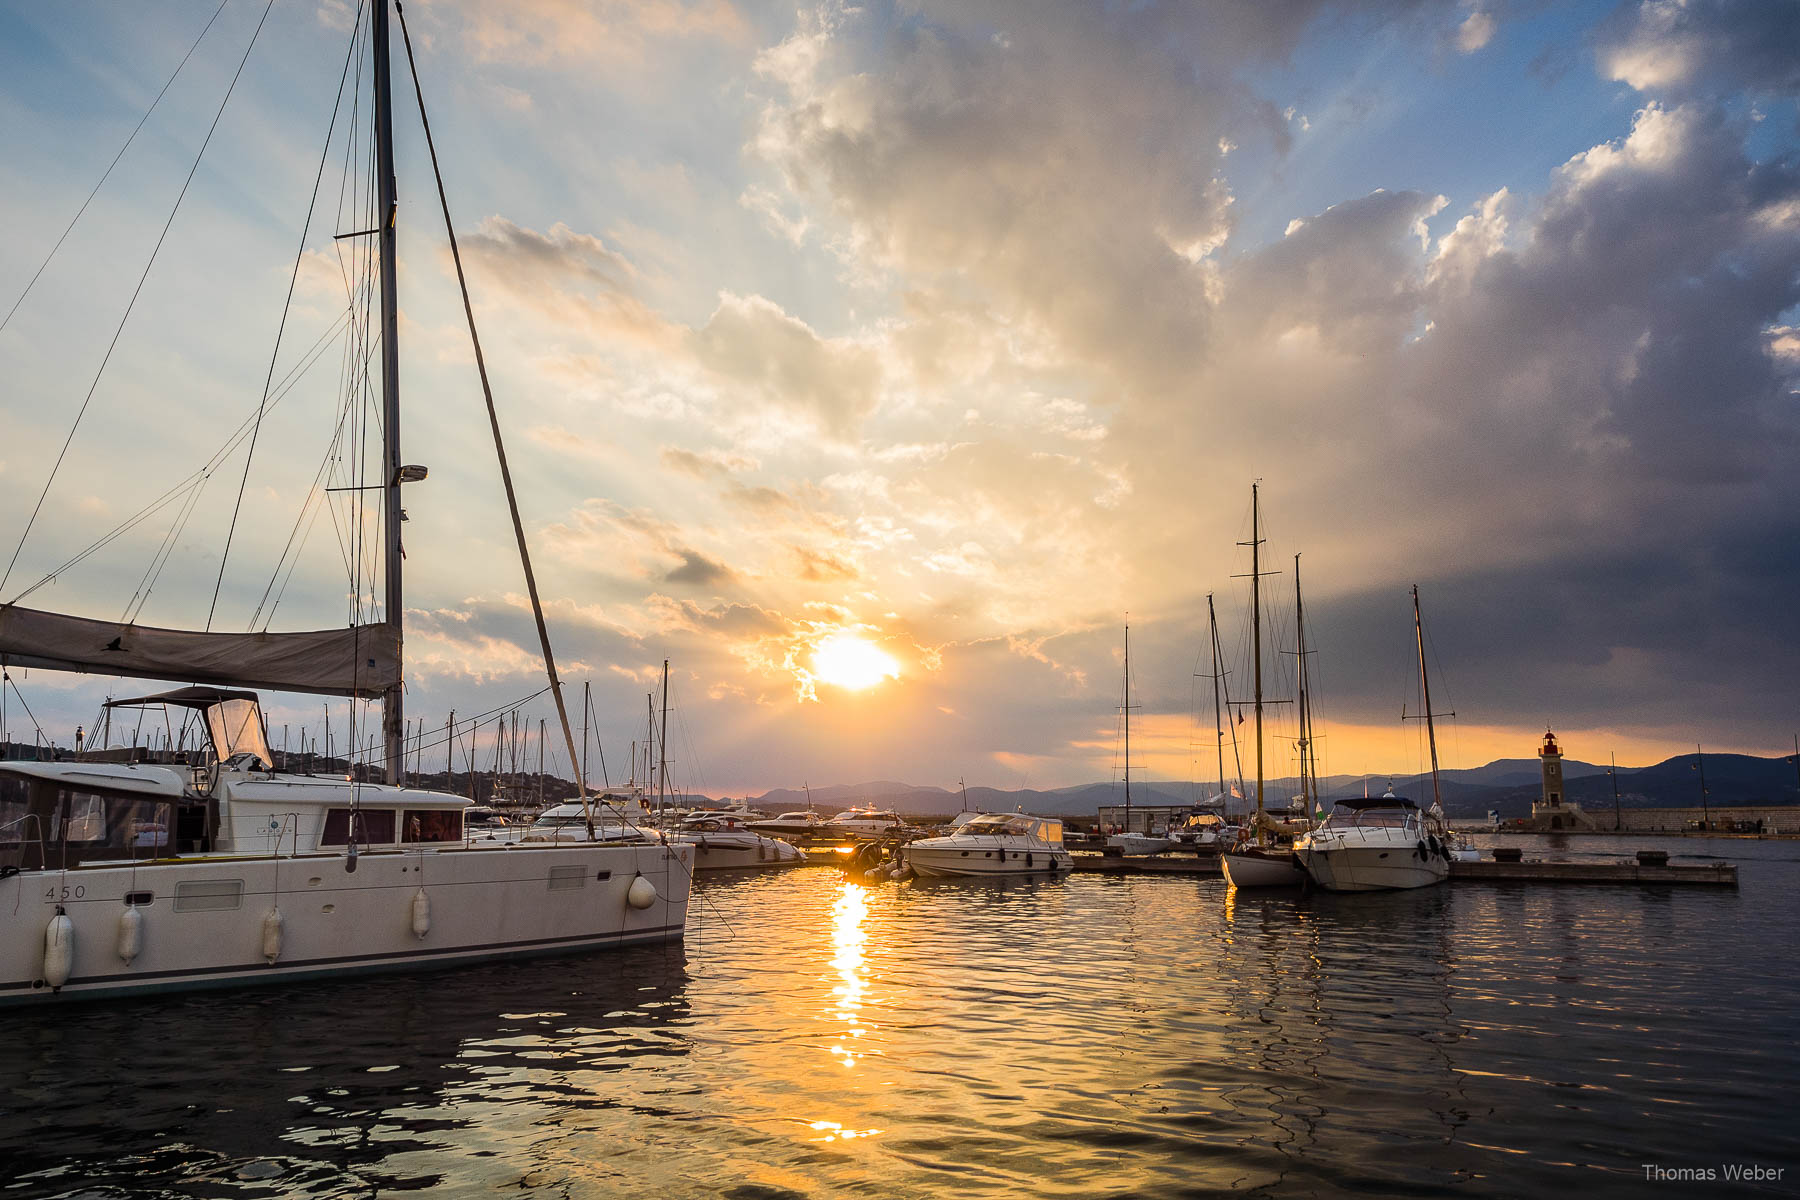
(1705, 810)
(1613, 773)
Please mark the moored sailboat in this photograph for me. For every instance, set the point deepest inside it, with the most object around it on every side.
(153, 874)
(1263, 861)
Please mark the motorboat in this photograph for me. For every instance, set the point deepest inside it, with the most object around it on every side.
(865, 822)
(995, 844)
(614, 816)
(1253, 866)
(1134, 845)
(1376, 844)
(1205, 832)
(723, 842)
(801, 823)
(1370, 845)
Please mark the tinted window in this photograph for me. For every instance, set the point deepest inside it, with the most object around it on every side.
(374, 826)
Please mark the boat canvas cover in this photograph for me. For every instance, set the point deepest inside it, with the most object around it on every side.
(355, 661)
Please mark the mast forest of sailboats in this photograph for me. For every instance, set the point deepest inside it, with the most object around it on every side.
(130, 873)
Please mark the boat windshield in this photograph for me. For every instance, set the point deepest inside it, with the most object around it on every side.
(1343, 817)
(999, 823)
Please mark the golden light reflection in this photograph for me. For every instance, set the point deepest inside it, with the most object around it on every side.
(848, 938)
(852, 662)
(834, 1132)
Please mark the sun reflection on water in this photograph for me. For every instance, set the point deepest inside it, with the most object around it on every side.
(848, 938)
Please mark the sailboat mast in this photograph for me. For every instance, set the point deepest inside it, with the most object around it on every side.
(1127, 710)
(392, 702)
(662, 743)
(1425, 687)
(1309, 763)
(1212, 622)
(1256, 642)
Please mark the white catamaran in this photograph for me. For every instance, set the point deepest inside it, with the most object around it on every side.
(125, 872)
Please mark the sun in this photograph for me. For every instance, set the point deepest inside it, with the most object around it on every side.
(852, 663)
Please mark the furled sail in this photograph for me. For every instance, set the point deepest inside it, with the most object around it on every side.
(360, 660)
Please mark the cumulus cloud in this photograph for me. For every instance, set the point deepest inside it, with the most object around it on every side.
(1717, 47)
(777, 360)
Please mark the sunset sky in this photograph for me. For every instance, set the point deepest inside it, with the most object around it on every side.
(953, 335)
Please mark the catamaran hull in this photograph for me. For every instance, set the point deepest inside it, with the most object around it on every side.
(1261, 870)
(207, 923)
(1373, 868)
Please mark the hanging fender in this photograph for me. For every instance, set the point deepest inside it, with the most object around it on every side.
(131, 933)
(1421, 850)
(641, 893)
(271, 935)
(421, 913)
(59, 949)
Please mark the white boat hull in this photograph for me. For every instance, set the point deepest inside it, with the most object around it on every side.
(1373, 868)
(1261, 870)
(739, 851)
(946, 863)
(204, 922)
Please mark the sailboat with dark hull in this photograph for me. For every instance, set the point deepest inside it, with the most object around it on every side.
(154, 873)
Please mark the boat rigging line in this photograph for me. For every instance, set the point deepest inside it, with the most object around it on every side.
(132, 303)
(136, 129)
(512, 502)
(287, 305)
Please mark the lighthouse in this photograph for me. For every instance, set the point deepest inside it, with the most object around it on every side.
(1552, 810)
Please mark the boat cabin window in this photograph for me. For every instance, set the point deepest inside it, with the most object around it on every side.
(64, 825)
(374, 827)
(433, 825)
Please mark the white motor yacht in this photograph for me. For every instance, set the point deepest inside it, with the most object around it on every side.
(801, 823)
(998, 844)
(1134, 845)
(616, 817)
(1369, 845)
(864, 822)
(723, 842)
(1253, 866)
(1204, 831)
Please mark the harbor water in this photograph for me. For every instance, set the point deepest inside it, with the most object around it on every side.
(1087, 1036)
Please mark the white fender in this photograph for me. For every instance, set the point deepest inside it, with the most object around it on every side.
(641, 894)
(59, 949)
(421, 913)
(272, 935)
(131, 933)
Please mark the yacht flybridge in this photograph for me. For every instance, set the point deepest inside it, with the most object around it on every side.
(139, 874)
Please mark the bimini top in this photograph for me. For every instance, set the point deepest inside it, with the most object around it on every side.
(233, 718)
(1389, 801)
(187, 697)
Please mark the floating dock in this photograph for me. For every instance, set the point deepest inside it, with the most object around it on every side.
(1485, 871)
(1622, 872)
(1714, 874)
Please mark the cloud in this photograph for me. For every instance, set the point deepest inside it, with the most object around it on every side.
(758, 350)
(1681, 48)
(567, 33)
